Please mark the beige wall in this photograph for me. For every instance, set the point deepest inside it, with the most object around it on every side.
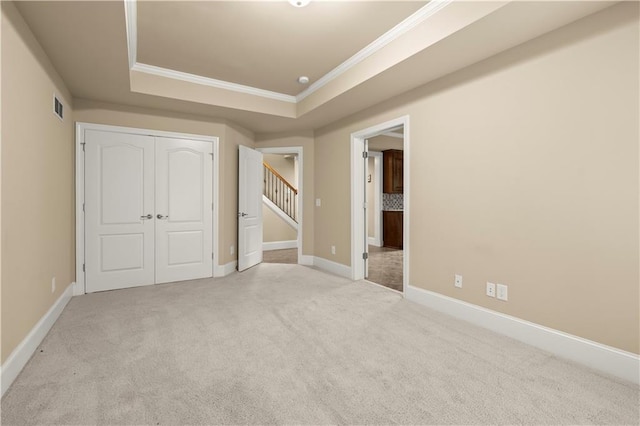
(37, 183)
(306, 141)
(284, 166)
(274, 227)
(382, 142)
(523, 171)
(230, 137)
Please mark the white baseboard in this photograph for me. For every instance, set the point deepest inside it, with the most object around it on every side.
(305, 260)
(22, 353)
(333, 267)
(279, 245)
(616, 362)
(78, 289)
(373, 241)
(224, 270)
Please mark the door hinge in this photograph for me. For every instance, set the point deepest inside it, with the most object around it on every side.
(211, 256)
(83, 207)
(83, 267)
(83, 144)
(365, 256)
(365, 154)
(211, 206)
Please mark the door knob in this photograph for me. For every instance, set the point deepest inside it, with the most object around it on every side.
(242, 214)
(159, 216)
(149, 216)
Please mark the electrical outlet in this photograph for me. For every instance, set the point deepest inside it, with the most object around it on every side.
(318, 202)
(53, 285)
(503, 292)
(232, 250)
(491, 289)
(458, 281)
(333, 249)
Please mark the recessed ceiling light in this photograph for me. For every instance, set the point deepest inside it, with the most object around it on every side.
(299, 3)
(303, 79)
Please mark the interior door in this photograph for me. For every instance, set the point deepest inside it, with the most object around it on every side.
(250, 181)
(184, 239)
(119, 208)
(365, 255)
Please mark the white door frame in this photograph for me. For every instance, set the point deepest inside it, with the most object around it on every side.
(79, 287)
(358, 196)
(298, 150)
(376, 240)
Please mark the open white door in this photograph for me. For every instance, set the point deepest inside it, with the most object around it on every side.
(250, 181)
(119, 221)
(365, 255)
(184, 238)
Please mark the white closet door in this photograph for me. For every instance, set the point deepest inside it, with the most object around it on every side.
(184, 240)
(119, 203)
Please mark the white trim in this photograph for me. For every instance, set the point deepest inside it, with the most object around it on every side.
(332, 267)
(376, 240)
(81, 127)
(224, 270)
(23, 352)
(131, 23)
(299, 151)
(279, 245)
(305, 260)
(615, 362)
(212, 82)
(418, 17)
(357, 196)
(278, 211)
(403, 27)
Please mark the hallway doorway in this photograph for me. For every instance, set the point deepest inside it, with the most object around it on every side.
(380, 196)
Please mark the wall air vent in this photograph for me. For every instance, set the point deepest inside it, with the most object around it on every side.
(57, 107)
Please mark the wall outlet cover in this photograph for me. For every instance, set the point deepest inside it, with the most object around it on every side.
(458, 281)
(491, 289)
(503, 292)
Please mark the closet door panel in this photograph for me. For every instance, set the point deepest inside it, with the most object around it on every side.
(119, 203)
(184, 240)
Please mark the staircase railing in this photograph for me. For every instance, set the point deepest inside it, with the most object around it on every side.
(280, 192)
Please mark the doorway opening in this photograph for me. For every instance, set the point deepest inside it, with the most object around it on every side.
(379, 204)
(384, 213)
(282, 205)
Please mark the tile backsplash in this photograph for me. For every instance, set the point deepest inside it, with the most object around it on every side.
(392, 201)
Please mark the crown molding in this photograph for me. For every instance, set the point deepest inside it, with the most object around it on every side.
(403, 27)
(131, 22)
(206, 81)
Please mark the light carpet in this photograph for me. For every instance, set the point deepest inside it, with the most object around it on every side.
(285, 344)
